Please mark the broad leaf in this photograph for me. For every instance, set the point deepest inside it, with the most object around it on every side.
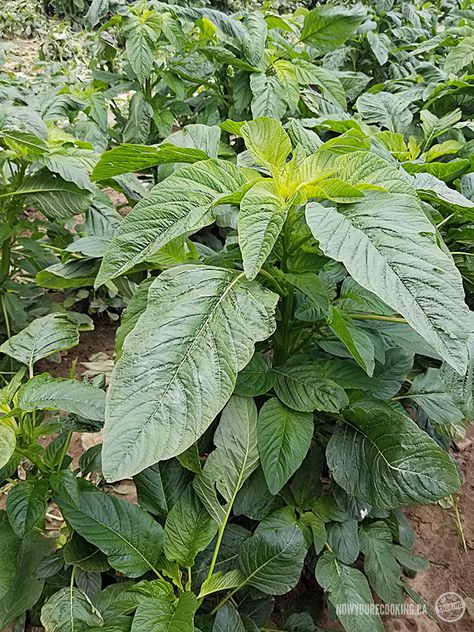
(348, 587)
(140, 46)
(328, 27)
(234, 459)
(253, 44)
(43, 337)
(7, 440)
(180, 205)
(284, 438)
(129, 537)
(256, 378)
(358, 343)
(166, 615)
(382, 242)
(188, 530)
(228, 620)
(25, 587)
(268, 96)
(184, 386)
(129, 158)
(380, 455)
(261, 218)
(57, 198)
(70, 610)
(380, 564)
(160, 486)
(8, 554)
(343, 538)
(45, 392)
(26, 505)
(267, 141)
(385, 109)
(302, 388)
(272, 560)
(431, 393)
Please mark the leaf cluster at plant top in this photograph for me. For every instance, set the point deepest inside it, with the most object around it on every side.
(295, 354)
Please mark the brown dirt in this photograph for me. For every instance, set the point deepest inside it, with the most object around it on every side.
(100, 340)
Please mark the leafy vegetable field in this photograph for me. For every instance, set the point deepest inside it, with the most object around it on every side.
(270, 214)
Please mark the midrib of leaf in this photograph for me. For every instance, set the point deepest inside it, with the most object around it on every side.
(217, 303)
(229, 509)
(71, 613)
(46, 190)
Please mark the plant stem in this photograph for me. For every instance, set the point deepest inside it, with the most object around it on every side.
(5, 315)
(65, 449)
(272, 281)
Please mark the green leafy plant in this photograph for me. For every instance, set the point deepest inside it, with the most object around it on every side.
(295, 354)
(310, 343)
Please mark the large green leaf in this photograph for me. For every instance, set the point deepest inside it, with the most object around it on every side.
(180, 205)
(430, 392)
(284, 437)
(140, 113)
(26, 505)
(302, 388)
(43, 337)
(160, 486)
(7, 440)
(188, 530)
(166, 615)
(268, 96)
(343, 538)
(262, 215)
(357, 341)
(25, 587)
(328, 27)
(8, 554)
(389, 247)
(460, 56)
(253, 44)
(128, 158)
(272, 561)
(234, 459)
(381, 456)
(267, 141)
(380, 564)
(228, 620)
(45, 392)
(386, 110)
(347, 588)
(130, 538)
(57, 198)
(70, 610)
(140, 46)
(172, 380)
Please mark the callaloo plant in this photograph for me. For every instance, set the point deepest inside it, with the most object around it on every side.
(289, 375)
